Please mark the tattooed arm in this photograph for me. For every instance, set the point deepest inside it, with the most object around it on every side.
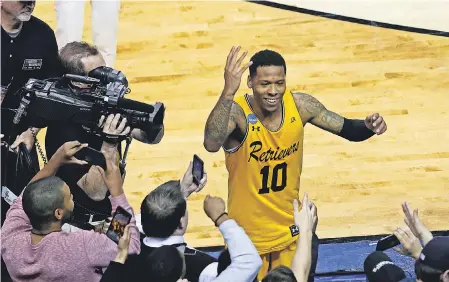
(226, 115)
(225, 118)
(311, 110)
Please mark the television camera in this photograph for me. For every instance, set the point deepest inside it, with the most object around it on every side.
(83, 100)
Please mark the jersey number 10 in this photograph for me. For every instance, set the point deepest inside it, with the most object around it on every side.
(265, 171)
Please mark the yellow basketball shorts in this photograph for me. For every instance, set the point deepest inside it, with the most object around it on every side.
(274, 259)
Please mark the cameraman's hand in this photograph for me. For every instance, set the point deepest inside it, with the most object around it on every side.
(112, 127)
(187, 185)
(65, 154)
(214, 207)
(112, 177)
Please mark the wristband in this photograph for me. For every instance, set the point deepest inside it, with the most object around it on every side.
(215, 222)
(355, 130)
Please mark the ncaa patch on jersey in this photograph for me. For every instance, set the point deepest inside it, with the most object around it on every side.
(294, 230)
(252, 118)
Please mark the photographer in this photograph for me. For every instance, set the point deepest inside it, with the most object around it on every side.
(89, 191)
(80, 58)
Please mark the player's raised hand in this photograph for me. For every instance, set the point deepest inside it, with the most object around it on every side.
(233, 71)
(376, 123)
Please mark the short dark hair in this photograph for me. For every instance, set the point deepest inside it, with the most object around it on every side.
(266, 58)
(426, 273)
(281, 273)
(162, 210)
(164, 264)
(72, 54)
(40, 200)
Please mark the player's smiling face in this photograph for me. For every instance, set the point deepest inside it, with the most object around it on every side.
(268, 85)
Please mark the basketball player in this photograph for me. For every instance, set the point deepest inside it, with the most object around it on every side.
(262, 136)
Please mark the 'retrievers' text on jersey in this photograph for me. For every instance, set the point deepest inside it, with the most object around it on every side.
(264, 177)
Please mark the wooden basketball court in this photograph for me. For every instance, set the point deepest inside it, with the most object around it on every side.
(175, 52)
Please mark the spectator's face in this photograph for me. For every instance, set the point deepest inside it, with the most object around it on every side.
(93, 62)
(19, 10)
(68, 205)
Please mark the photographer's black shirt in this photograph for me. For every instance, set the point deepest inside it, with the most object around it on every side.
(30, 53)
(33, 53)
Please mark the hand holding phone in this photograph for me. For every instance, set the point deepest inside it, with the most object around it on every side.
(119, 221)
(197, 169)
(92, 156)
(387, 243)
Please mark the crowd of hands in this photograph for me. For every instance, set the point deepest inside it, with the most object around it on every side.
(305, 213)
(412, 237)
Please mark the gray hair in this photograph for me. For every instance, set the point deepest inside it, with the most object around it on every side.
(162, 210)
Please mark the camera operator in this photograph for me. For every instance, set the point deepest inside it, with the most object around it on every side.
(29, 50)
(91, 203)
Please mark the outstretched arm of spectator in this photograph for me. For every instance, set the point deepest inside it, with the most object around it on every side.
(410, 244)
(305, 220)
(187, 184)
(113, 180)
(100, 249)
(415, 224)
(16, 219)
(116, 269)
(245, 260)
(64, 155)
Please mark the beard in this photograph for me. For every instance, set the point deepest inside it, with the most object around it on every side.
(24, 17)
(68, 217)
(25, 14)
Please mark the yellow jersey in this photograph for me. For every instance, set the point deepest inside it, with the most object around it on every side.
(264, 177)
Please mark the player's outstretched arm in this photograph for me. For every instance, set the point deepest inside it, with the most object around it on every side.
(311, 110)
(222, 120)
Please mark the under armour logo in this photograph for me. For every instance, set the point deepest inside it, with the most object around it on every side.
(293, 120)
(294, 230)
(256, 128)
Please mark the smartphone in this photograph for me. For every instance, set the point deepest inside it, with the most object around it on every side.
(120, 219)
(197, 169)
(92, 156)
(387, 243)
